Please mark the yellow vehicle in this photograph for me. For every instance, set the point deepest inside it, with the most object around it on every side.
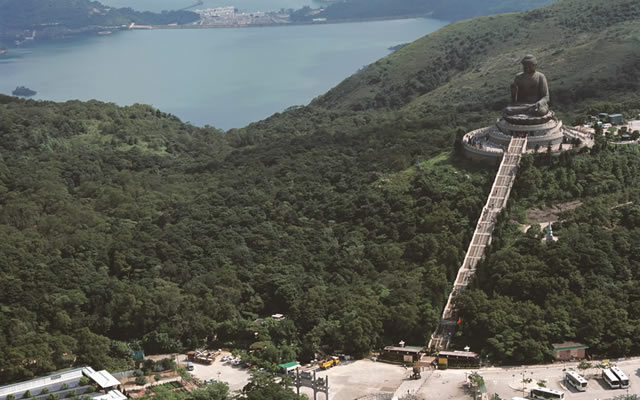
(328, 363)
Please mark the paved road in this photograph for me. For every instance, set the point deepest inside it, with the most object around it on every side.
(507, 382)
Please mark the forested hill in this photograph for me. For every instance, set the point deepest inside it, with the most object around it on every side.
(588, 51)
(33, 14)
(121, 227)
(586, 48)
(57, 18)
(449, 10)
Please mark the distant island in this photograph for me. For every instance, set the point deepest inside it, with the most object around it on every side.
(23, 91)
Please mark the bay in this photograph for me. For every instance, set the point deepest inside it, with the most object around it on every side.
(242, 5)
(221, 77)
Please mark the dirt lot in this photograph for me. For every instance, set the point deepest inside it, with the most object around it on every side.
(550, 214)
(234, 376)
(355, 379)
(348, 380)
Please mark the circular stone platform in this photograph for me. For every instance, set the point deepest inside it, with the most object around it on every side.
(489, 143)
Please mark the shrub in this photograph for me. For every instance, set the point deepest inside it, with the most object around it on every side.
(157, 377)
(45, 391)
(167, 364)
(72, 394)
(64, 386)
(138, 372)
(10, 397)
(53, 396)
(141, 380)
(84, 381)
(90, 389)
(26, 394)
(182, 371)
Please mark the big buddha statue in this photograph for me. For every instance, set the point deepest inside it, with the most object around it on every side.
(529, 95)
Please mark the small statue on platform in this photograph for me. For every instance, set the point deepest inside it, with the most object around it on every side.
(529, 91)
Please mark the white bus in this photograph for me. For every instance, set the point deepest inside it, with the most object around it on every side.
(610, 378)
(545, 394)
(624, 380)
(576, 380)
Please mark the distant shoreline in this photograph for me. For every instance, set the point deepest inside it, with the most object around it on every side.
(299, 23)
(89, 31)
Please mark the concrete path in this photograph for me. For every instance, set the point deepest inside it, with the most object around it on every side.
(497, 200)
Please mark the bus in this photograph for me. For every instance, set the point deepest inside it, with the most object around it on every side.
(545, 394)
(576, 380)
(624, 380)
(610, 378)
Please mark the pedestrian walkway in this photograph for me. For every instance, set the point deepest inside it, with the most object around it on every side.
(411, 386)
(497, 200)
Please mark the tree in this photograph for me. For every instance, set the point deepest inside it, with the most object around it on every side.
(140, 380)
(583, 366)
(214, 391)
(262, 386)
(93, 349)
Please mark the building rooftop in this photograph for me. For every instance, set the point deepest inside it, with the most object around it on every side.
(103, 378)
(63, 382)
(112, 395)
(458, 353)
(407, 349)
(57, 377)
(569, 346)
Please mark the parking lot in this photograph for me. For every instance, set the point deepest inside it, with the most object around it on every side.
(356, 379)
(507, 382)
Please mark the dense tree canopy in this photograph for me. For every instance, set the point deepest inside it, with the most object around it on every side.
(584, 287)
(122, 225)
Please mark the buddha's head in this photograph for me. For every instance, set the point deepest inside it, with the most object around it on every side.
(529, 64)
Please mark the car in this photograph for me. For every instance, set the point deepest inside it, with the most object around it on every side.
(190, 366)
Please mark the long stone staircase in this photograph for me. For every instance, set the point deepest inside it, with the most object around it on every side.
(497, 200)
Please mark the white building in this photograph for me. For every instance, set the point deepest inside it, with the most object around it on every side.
(62, 383)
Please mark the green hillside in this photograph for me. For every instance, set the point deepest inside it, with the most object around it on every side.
(472, 62)
(63, 18)
(121, 227)
(36, 14)
(450, 10)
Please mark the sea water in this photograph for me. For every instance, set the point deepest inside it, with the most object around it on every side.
(221, 77)
(242, 5)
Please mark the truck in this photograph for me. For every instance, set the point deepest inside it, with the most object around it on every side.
(202, 356)
(329, 362)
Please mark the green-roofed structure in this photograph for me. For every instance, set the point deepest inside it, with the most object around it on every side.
(290, 366)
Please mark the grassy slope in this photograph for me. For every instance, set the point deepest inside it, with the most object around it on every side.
(450, 10)
(583, 48)
(458, 77)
